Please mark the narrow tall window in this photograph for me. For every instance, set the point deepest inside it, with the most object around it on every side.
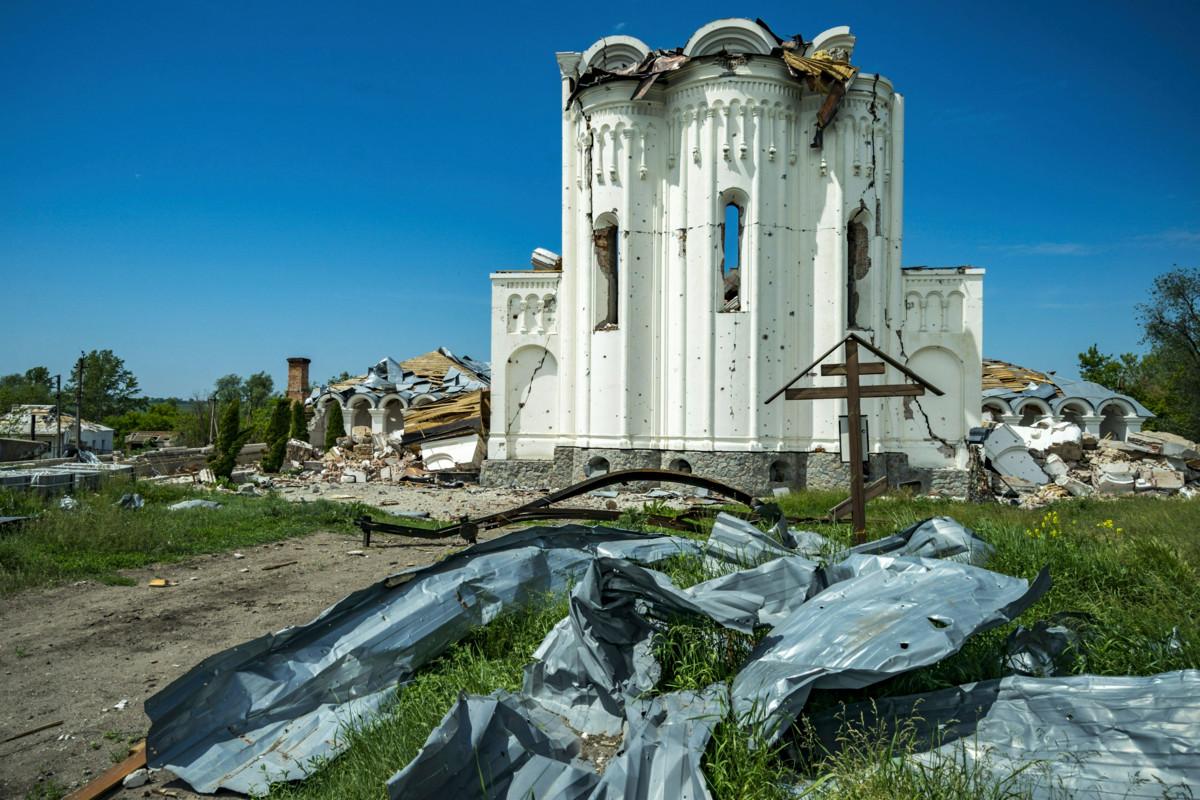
(858, 264)
(605, 238)
(731, 258)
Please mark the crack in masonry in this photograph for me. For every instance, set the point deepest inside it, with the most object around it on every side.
(929, 427)
(529, 389)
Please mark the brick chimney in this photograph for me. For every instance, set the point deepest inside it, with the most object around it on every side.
(297, 388)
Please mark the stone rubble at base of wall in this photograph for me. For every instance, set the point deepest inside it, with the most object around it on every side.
(751, 472)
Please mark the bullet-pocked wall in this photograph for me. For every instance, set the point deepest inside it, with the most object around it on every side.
(710, 250)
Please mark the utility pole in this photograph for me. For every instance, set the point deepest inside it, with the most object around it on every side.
(79, 405)
(58, 416)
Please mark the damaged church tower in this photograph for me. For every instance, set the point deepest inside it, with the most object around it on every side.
(730, 210)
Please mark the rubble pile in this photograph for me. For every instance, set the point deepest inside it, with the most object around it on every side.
(1054, 460)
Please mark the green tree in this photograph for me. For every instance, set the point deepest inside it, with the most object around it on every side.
(227, 388)
(33, 386)
(334, 425)
(230, 438)
(109, 389)
(1122, 373)
(299, 429)
(256, 390)
(277, 437)
(165, 416)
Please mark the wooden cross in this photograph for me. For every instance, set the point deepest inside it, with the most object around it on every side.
(853, 392)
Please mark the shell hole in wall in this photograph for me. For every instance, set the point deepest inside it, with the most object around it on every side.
(605, 305)
(778, 472)
(680, 465)
(596, 465)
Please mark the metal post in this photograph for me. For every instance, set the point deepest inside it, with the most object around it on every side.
(79, 405)
(858, 504)
(58, 416)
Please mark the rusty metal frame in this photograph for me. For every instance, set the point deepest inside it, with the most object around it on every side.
(539, 509)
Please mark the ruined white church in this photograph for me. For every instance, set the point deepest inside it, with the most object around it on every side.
(730, 210)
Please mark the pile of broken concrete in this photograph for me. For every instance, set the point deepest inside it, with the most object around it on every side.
(361, 458)
(1042, 463)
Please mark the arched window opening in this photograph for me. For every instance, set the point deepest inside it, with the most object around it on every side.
(1031, 414)
(858, 264)
(596, 465)
(993, 414)
(1113, 426)
(605, 238)
(732, 228)
(1074, 415)
(778, 472)
(394, 419)
(680, 465)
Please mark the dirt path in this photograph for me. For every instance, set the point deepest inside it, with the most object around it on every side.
(89, 655)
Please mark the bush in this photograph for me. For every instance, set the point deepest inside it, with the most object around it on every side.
(299, 423)
(230, 438)
(334, 426)
(277, 437)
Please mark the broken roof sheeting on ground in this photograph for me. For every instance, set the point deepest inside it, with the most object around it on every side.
(881, 615)
(818, 70)
(1010, 382)
(1078, 736)
(261, 711)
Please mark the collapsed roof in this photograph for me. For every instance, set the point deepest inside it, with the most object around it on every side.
(1009, 382)
(432, 376)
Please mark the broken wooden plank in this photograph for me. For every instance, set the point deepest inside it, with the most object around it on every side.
(839, 392)
(874, 489)
(277, 566)
(111, 778)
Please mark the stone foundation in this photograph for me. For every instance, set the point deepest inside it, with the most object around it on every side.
(757, 473)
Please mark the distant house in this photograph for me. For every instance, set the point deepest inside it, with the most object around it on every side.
(41, 419)
(140, 440)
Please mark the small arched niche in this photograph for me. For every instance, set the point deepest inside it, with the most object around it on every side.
(680, 465)
(596, 465)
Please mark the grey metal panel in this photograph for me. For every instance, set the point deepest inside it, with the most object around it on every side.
(1086, 736)
(261, 711)
(496, 747)
(881, 616)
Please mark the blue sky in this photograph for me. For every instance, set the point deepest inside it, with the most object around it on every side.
(208, 188)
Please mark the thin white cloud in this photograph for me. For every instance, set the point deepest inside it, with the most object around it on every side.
(1171, 236)
(620, 26)
(1049, 248)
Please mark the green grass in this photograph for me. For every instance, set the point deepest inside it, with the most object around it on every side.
(491, 657)
(98, 539)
